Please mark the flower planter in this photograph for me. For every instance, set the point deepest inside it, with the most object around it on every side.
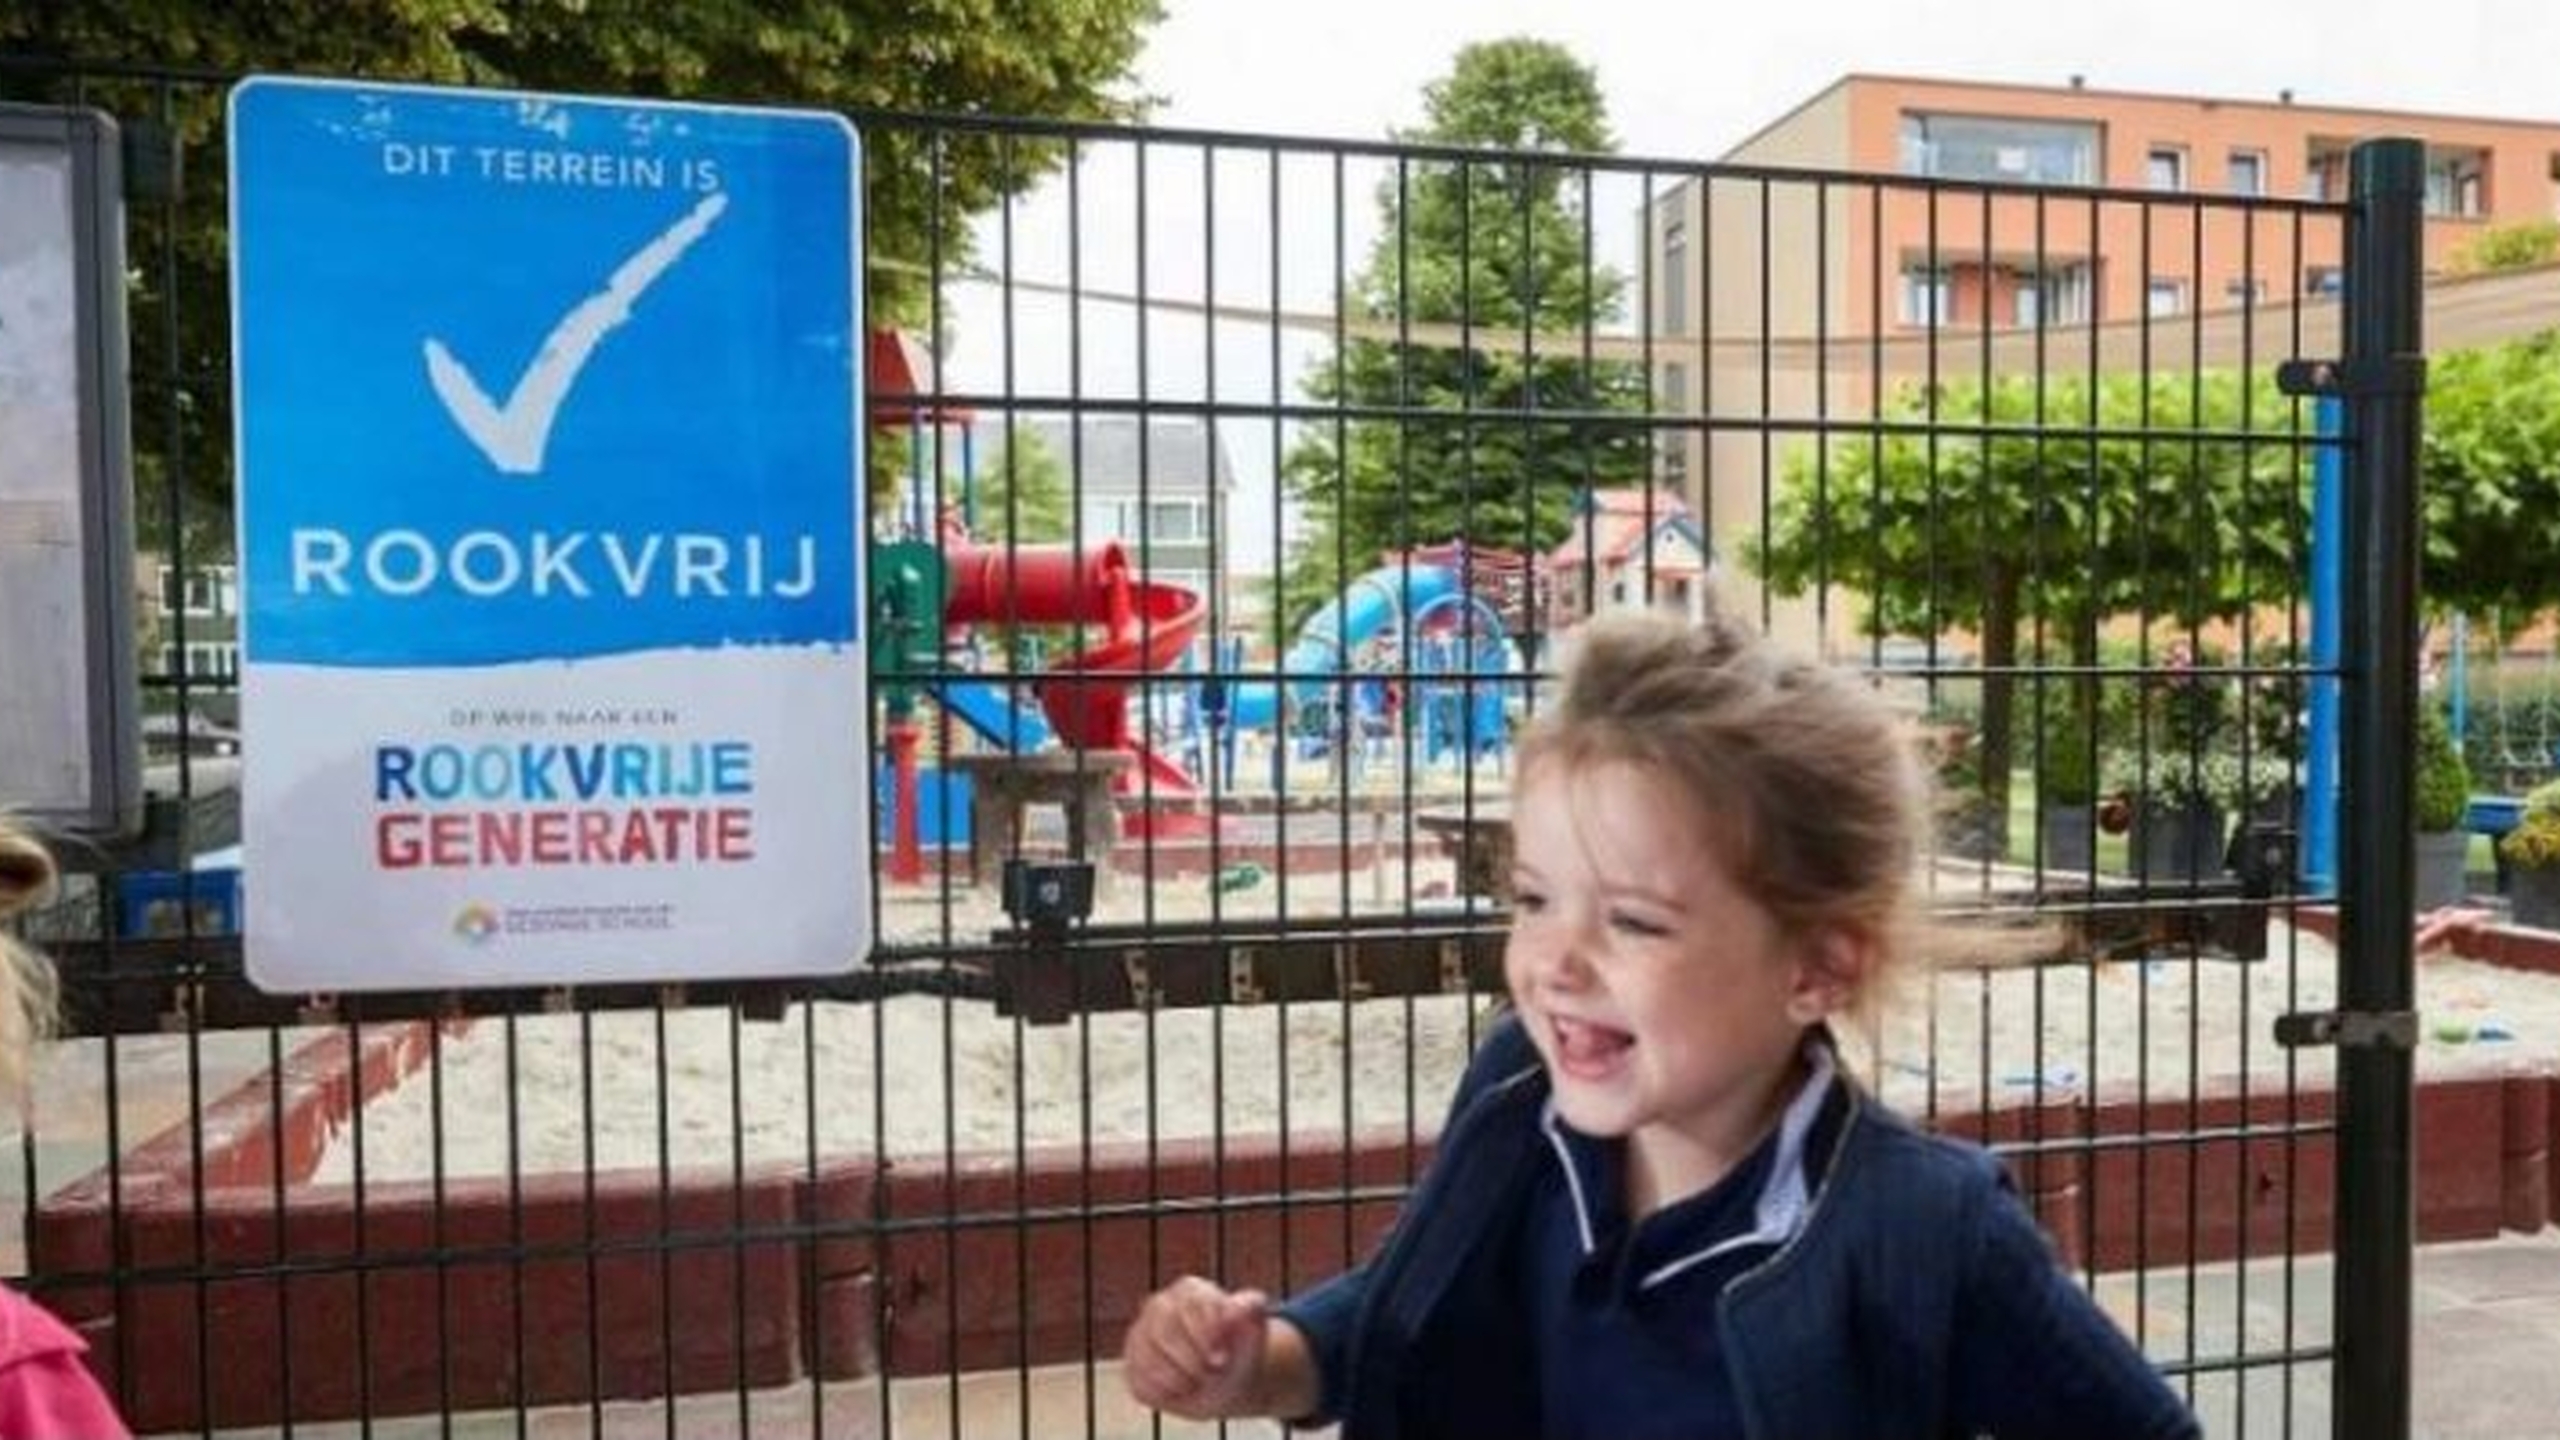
(2534, 894)
(2442, 854)
(2179, 844)
(2070, 837)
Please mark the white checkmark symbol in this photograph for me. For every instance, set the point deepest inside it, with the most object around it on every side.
(515, 434)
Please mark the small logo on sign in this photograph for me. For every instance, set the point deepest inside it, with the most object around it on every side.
(476, 925)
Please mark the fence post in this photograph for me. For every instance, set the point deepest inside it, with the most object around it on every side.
(2382, 381)
(2319, 859)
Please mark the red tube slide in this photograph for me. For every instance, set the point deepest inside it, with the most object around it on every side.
(1145, 628)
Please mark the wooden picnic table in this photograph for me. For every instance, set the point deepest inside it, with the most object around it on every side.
(1478, 838)
(1004, 786)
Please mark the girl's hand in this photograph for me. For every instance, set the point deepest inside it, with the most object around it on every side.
(1197, 1350)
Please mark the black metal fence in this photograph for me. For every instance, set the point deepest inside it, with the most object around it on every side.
(1274, 470)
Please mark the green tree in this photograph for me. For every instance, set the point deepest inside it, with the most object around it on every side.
(2034, 522)
(1022, 493)
(1495, 244)
(2489, 479)
(1064, 58)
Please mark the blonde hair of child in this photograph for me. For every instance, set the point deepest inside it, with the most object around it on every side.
(1815, 787)
(27, 990)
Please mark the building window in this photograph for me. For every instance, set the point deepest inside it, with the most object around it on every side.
(2166, 169)
(1671, 443)
(2248, 172)
(1990, 147)
(2324, 171)
(1928, 296)
(2053, 297)
(1174, 520)
(206, 660)
(2457, 183)
(2324, 280)
(1105, 520)
(2165, 297)
(2244, 292)
(211, 590)
(1675, 277)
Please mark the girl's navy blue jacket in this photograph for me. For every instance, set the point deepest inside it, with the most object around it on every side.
(1917, 1301)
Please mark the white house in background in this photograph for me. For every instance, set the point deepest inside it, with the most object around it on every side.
(1151, 489)
(1628, 548)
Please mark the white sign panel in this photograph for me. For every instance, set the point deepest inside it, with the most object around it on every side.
(549, 476)
(67, 741)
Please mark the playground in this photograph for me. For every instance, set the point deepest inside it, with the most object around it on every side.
(1050, 701)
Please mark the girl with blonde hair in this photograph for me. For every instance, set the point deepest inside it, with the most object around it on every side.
(1661, 1205)
(46, 1392)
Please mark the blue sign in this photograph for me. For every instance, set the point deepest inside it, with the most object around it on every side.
(550, 467)
(526, 375)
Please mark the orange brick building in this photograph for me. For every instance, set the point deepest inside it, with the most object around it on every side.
(2191, 219)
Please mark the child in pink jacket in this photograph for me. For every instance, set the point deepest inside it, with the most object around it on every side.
(46, 1391)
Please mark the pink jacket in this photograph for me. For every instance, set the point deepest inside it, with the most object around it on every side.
(46, 1392)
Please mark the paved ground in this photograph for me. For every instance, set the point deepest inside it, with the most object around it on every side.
(2486, 1363)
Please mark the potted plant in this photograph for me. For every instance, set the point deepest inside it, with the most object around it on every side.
(2174, 805)
(2532, 853)
(2182, 766)
(2443, 794)
(2067, 789)
(2164, 768)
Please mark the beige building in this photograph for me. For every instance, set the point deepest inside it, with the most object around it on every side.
(2190, 218)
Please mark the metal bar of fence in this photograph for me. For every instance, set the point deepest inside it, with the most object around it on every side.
(2376, 976)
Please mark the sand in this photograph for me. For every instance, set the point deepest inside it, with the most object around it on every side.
(919, 1076)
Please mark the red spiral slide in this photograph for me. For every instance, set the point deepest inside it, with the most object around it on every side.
(1145, 628)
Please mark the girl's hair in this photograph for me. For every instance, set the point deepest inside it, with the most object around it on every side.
(26, 977)
(1815, 788)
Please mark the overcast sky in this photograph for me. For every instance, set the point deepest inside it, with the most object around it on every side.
(1684, 81)
(1687, 80)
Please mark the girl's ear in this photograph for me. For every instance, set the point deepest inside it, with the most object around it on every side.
(1831, 966)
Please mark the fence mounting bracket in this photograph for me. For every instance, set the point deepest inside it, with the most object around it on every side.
(1348, 982)
(1244, 982)
(2351, 379)
(1453, 967)
(1144, 992)
(2349, 1029)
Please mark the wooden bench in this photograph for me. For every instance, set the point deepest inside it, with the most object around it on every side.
(1479, 840)
(1003, 788)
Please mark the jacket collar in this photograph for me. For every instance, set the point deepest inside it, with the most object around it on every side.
(1785, 1199)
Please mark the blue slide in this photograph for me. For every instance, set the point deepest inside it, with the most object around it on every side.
(990, 710)
(1366, 606)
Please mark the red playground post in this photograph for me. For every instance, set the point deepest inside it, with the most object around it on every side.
(906, 848)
